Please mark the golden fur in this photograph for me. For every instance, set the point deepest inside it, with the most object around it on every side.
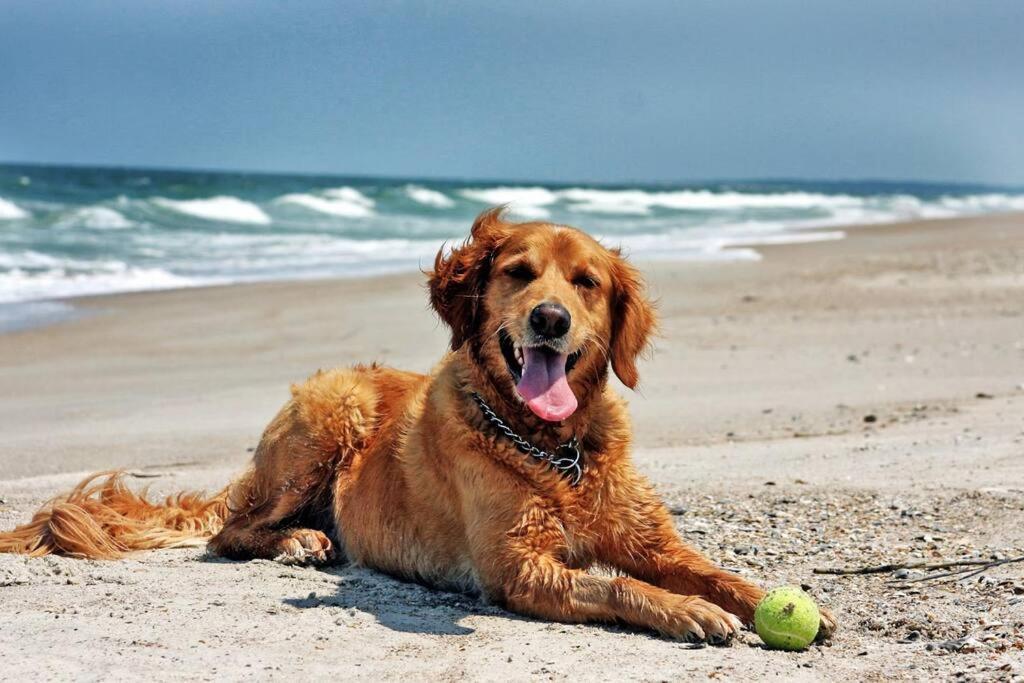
(401, 472)
(108, 520)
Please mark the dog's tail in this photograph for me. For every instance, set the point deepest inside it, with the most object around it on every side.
(102, 518)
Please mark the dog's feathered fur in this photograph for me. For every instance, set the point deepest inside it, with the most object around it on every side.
(105, 519)
(401, 472)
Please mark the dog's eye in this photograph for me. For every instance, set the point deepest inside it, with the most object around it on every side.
(520, 271)
(585, 281)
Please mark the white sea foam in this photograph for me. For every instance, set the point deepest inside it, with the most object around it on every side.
(428, 197)
(720, 243)
(222, 208)
(530, 196)
(10, 211)
(618, 208)
(523, 202)
(984, 203)
(288, 255)
(622, 202)
(22, 285)
(95, 218)
(640, 202)
(528, 212)
(350, 194)
(787, 238)
(336, 205)
(30, 259)
(534, 202)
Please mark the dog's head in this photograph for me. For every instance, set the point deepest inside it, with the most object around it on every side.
(544, 308)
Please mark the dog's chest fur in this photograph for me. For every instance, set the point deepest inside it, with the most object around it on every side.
(435, 477)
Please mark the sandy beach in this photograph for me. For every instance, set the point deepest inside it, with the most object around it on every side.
(838, 403)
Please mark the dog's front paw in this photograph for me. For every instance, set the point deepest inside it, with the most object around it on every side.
(827, 626)
(305, 546)
(696, 620)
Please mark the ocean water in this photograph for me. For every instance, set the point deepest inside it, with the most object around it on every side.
(68, 232)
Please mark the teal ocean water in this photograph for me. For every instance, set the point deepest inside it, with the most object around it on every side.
(66, 232)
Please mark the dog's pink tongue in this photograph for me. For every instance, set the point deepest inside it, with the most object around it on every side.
(544, 387)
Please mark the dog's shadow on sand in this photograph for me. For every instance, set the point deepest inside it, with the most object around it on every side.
(359, 594)
(352, 594)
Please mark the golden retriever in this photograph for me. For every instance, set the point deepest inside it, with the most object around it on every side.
(505, 472)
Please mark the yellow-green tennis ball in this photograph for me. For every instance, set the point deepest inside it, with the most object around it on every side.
(787, 619)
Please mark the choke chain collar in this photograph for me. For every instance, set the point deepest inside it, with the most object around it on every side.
(567, 459)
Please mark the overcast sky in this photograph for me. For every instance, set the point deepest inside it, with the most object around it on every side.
(584, 90)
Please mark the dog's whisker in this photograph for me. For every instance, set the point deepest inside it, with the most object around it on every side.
(503, 327)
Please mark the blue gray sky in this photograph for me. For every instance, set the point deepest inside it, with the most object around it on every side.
(575, 90)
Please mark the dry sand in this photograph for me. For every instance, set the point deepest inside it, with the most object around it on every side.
(839, 403)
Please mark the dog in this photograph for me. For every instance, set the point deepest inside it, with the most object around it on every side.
(505, 472)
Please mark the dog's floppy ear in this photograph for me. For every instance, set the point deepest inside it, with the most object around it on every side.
(633, 321)
(458, 280)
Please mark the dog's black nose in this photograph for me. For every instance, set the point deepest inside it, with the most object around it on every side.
(550, 320)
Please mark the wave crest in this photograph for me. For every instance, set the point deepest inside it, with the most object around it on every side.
(525, 202)
(351, 195)
(345, 202)
(10, 211)
(428, 197)
(95, 218)
(222, 208)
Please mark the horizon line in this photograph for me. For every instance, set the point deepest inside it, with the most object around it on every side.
(514, 181)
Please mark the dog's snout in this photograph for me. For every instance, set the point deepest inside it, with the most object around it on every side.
(550, 320)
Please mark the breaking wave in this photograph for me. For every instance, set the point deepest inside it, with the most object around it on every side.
(523, 202)
(222, 208)
(10, 211)
(95, 218)
(345, 202)
(534, 200)
(428, 197)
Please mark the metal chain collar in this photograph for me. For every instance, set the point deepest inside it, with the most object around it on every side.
(567, 459)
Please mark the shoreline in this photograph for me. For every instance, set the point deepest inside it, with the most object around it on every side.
(18, 316)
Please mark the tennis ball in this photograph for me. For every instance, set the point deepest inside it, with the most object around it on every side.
(787, 619)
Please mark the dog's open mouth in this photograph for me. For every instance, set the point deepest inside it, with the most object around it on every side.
(540, 376)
